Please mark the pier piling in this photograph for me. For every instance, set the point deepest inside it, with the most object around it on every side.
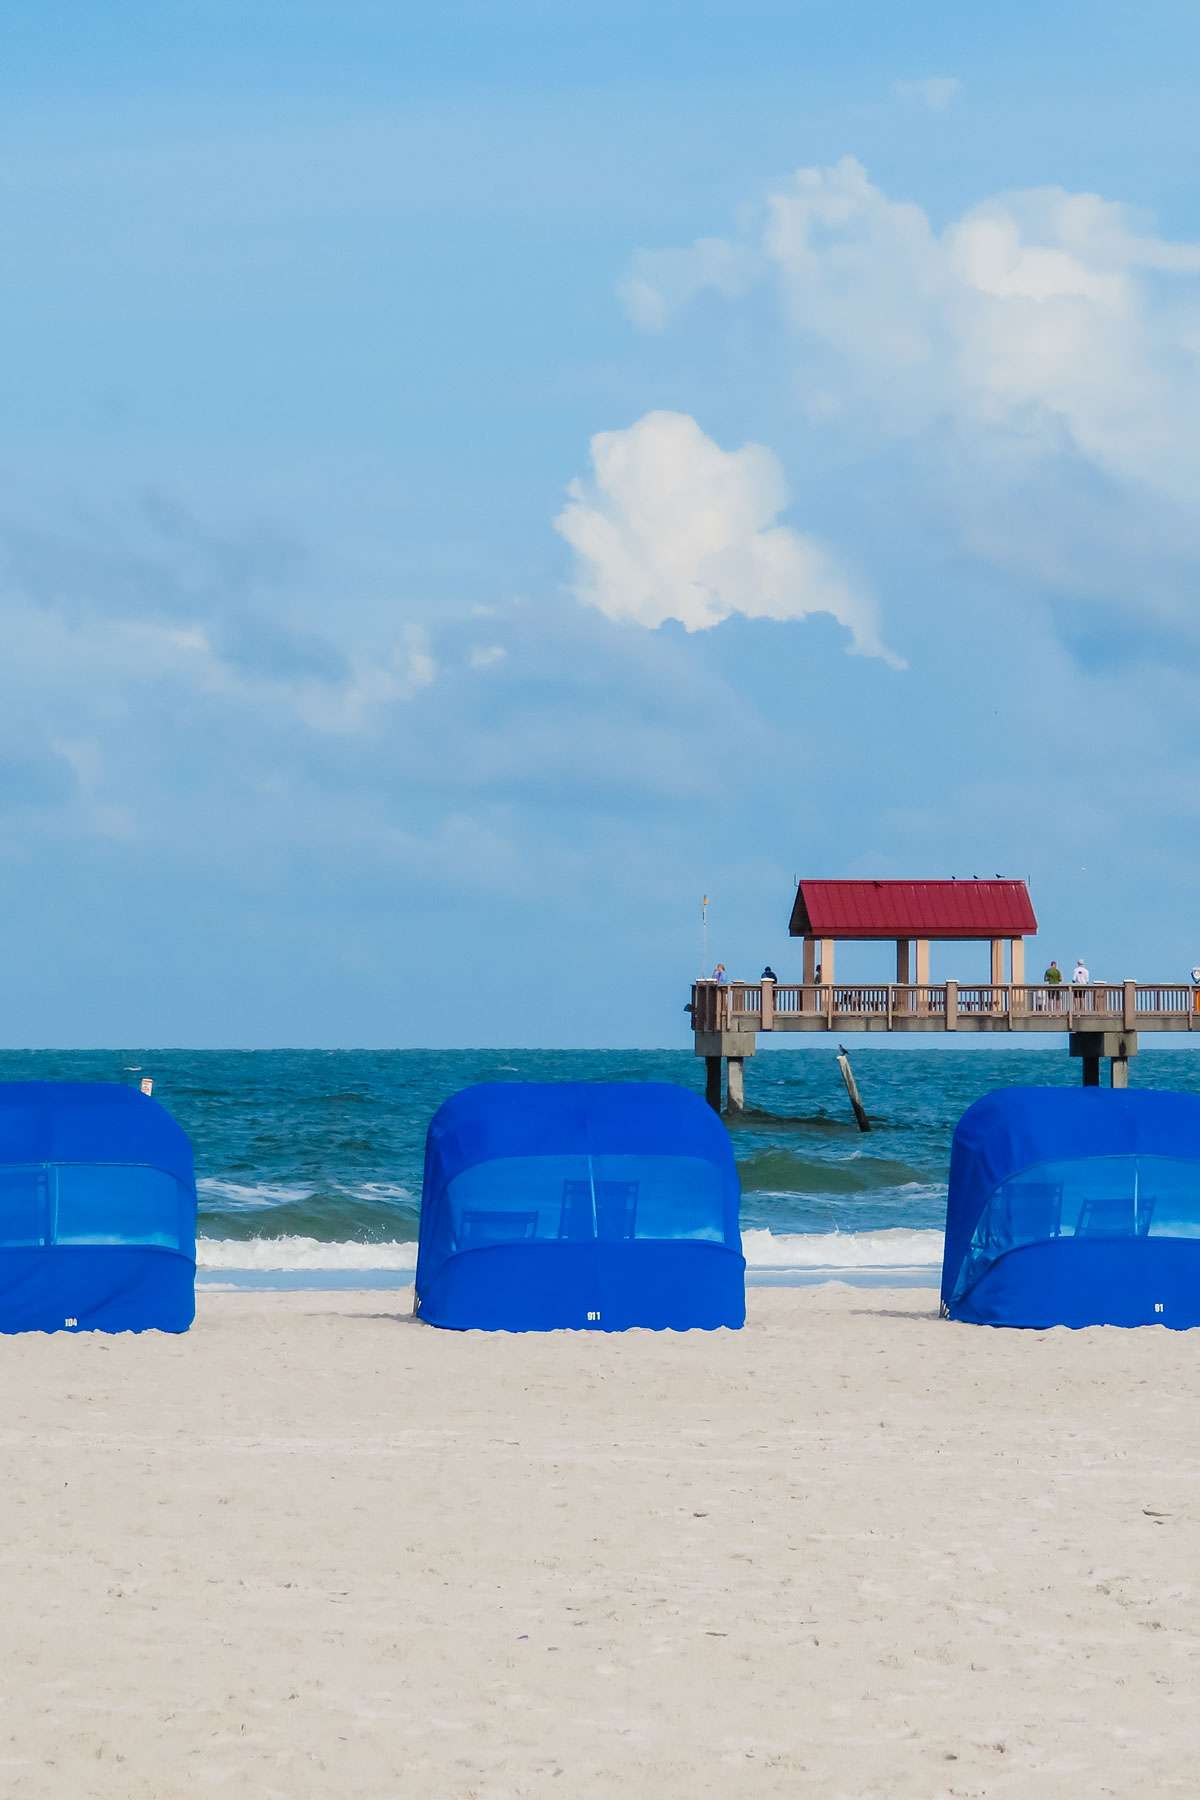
(860, 1111)
(1093, 1046)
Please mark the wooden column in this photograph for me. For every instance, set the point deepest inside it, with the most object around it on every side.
(923, 973)
(737, 1084)
(1120, 1071)
(903, 972)
(1016, 962)
(997, 971)
(809, 973)
(767, 1009)
(827, 961)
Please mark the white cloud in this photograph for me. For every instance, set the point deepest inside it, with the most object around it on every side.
(661, 281)
(486, 656)
(670, 526)
(373, 682)
(934, 92)
(1047, 320)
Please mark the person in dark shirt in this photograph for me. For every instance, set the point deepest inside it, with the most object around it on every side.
(768, 974)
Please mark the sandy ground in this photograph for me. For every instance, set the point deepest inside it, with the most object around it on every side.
(315, 1549)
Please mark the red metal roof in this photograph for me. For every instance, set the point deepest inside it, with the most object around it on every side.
(912, 909)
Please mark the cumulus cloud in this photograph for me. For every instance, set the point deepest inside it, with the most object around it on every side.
(934, 92)
(1058, 319)
(671, 526)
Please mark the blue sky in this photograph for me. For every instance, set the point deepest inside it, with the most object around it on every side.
(475, 481)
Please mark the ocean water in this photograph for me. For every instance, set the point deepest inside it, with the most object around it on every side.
(309, 1161)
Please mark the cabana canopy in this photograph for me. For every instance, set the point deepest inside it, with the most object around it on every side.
(97, 1210)
(1075, 1206)
(597, 1206)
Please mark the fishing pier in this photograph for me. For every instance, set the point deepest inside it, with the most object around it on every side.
(1102, 1020)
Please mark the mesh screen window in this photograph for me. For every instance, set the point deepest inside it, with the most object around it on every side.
(88, 1203)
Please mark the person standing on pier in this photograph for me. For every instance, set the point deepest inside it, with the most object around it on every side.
(1053, 979)
(1080, 977)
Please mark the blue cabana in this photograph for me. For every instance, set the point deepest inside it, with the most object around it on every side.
(1075, 1206)
(597, 1206)
(97, 1210)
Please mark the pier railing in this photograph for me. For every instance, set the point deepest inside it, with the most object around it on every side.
(946, 1006)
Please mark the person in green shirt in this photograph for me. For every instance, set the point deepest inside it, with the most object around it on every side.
(1053, 979)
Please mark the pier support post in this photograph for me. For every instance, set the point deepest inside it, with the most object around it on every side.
(732, 1048)
(1092, 1046)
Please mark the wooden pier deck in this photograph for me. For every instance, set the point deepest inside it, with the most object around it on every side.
(1104, 1019)
(746, 1008)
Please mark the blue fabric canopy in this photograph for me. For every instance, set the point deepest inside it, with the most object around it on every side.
(598, 1206)
(97, 1210)
(1075, 1206)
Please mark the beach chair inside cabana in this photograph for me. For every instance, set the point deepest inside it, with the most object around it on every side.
(607, 1208)
(1075, 1207)
(97, 1210)
(596, 1206)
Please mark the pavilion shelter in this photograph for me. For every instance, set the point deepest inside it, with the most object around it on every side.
(1075, 1206)
(913, 914)
(593, 1206)
(97, 1210)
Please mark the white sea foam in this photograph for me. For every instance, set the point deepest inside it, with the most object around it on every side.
(301, 1253)
(896, 1249)
(268, 1193)
(763, 1250)
(261, 1193)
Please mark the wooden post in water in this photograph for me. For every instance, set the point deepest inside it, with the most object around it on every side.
(860, 1111)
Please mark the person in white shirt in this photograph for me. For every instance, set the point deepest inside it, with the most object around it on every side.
(1079, 980)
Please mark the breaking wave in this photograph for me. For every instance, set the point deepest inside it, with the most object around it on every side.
(800, 1250)
(284, 1253)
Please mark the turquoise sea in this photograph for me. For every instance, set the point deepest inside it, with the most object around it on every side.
(309, 1161)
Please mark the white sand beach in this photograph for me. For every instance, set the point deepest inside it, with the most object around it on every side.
(313, 1548)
